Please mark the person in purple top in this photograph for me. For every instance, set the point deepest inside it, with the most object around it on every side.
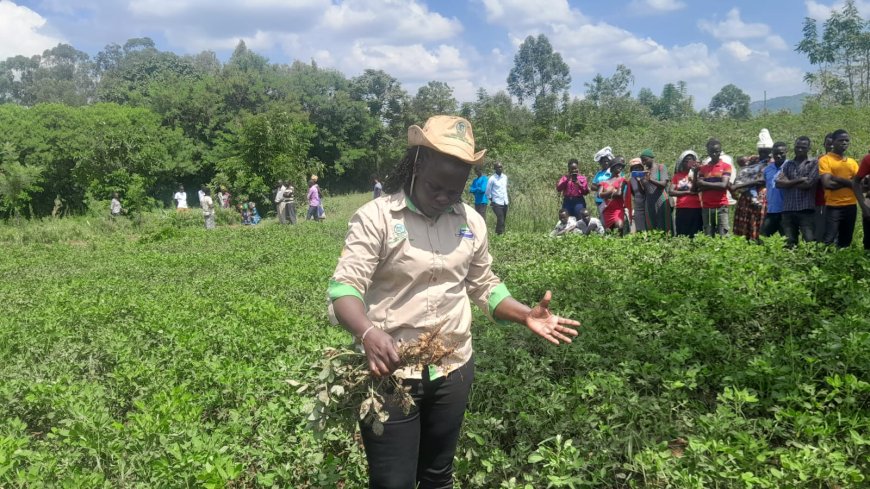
(573, 187)
(313, 201)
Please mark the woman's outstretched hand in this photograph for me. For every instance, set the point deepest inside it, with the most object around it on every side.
(549, 326)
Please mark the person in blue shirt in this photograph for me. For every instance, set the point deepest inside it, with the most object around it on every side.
(773, 216)
(604, 157)
(478, 189)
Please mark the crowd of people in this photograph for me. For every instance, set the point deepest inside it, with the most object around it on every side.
(801, 198)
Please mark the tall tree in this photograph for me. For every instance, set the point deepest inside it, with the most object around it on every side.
(841, 56)
(539, 74)
(17, 182)
(433, 98)
(603, 89)
(731, 101)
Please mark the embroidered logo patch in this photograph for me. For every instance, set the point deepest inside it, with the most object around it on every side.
(399, 233)
(465, 232)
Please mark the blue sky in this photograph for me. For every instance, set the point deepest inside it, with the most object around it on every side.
(468, 44)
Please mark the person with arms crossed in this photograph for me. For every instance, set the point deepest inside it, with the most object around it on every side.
(837, 172)
(412, 263)
(797, 181)
(712, 180)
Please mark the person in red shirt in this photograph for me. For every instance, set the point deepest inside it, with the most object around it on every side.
(687, 219)
(712, 180)
(859, 186)
(612, 191)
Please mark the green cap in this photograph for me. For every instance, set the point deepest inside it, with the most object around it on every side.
(648, 153)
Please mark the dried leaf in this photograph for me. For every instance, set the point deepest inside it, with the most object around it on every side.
(378, 428)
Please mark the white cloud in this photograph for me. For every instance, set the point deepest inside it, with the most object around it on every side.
(527, 13)
(406, 21)
(733, 27)
(21, 31)
(821, 11)
(656, 6)
(737, 50)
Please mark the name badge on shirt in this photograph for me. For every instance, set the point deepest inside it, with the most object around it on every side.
(465, 232)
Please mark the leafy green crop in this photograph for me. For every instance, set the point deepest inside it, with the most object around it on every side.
(160, 357)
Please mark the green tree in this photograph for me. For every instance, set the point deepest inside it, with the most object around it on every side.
(673, 104)
(61, 74)
(433, 98)
(841, 56)
(731, 101)
(17, 182)
(539, 74)
(601, 90)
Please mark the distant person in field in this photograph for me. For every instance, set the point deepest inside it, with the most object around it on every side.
(821, 217)
(115, 209)
(773, 195)
(797, 181)
(657, 205)
(861, 188)
(224, 198)
(321, 213)
(254, 215)
(637, 190)
(566, 224)
(313, 201)
(280, 210)
(412, 263)
(604, 158)
(206, 203)
(377, 187)
(838, 172)
(587, 224)
(612, 191)
(289, 200)
(200, 194)
(573, 187)
(478, 190)
(749, 190)
(497, 194)
(712, 180)
(687, 216)
(180, 198)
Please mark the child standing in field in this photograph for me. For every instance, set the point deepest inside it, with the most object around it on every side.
(180, 199)
(115, 207)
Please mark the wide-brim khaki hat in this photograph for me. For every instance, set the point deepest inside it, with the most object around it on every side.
(447, 134)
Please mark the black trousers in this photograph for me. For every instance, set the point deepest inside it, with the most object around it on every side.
(772, 224)
(688, 222)
(416, 450)
(799, 221)
(500, 216)
(866, 222)
(840, 224)
(481, 209)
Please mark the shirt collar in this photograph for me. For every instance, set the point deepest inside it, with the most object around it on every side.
(401, 201)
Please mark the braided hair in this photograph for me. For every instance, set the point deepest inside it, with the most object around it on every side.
(401, 175)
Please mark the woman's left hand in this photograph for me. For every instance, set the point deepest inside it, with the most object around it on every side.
(549, 326)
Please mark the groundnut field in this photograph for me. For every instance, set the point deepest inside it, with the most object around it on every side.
(166, 356)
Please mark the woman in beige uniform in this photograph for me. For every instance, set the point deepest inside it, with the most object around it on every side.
(412, 262)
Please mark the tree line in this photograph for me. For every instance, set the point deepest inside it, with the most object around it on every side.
(135, 119)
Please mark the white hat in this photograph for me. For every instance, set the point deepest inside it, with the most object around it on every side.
(764, 140)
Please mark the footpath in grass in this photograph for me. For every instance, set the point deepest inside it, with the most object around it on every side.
(162, 359)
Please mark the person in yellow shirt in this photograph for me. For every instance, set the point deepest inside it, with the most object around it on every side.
(412, 263)
(837, 172)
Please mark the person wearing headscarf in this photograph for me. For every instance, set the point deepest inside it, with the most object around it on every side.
(657, 205)
(687, 217)
(413, 262)
(604, 158)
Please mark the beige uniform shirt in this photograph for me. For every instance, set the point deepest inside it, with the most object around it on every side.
(416, 274)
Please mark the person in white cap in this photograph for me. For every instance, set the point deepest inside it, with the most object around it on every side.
(604, 157)
(412, 262)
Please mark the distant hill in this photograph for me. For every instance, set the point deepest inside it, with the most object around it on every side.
(791, 103)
